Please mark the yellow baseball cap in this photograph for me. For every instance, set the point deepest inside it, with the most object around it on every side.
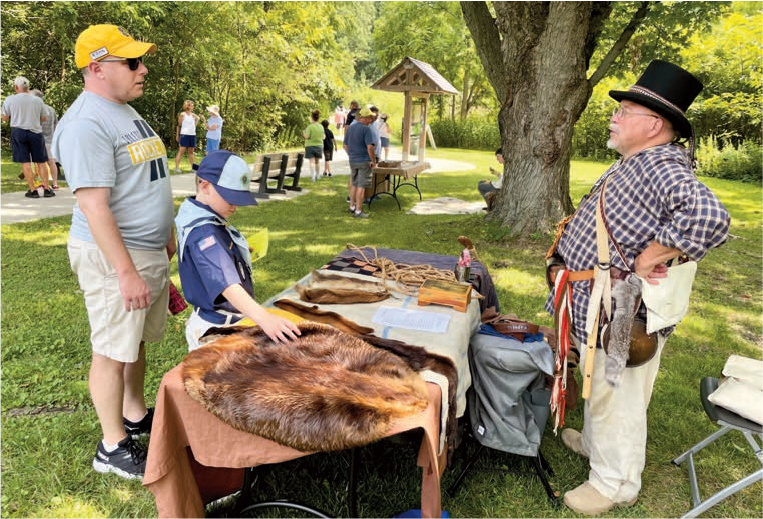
(99, 41)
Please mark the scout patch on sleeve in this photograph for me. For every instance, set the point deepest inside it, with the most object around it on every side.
(206, 243)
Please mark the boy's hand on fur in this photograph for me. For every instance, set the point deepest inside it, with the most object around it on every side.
(279, 329)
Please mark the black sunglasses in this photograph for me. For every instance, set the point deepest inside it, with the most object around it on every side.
(133, 63)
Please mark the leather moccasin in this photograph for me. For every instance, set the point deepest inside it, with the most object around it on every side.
(574, 441)
(586, 500)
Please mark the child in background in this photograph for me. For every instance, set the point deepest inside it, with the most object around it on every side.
(214, 260)
(329, 146)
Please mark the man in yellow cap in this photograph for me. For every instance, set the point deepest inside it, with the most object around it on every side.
(121, 234)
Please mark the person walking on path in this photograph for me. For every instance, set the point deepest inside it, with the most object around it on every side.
(121, 235)
(329, 146)
(653, 209)
(314, 136)
(354, 107)
(214, 129)
(25, 113)
(48, 127)
(359, 145)
(185, 133)
(385, 132)
(339, 119)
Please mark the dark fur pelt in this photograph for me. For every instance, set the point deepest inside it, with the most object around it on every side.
(420, 359)
(326, 391)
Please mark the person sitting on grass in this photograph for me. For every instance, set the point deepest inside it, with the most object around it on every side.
(214, 260)
(489, 189)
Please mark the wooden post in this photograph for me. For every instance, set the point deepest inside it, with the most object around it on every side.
(423, 132)
(407, 125)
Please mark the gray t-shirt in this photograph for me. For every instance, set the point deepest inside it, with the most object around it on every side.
(105, 144)
(25, 111)
(49, 124)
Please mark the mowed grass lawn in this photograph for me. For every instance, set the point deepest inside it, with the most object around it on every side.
(49, 427)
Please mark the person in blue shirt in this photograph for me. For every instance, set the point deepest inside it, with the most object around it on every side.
(359, 146)
(214, 260)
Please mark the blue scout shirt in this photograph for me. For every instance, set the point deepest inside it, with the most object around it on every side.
(210, 261)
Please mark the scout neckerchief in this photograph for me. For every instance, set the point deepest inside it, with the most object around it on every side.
(191, 216)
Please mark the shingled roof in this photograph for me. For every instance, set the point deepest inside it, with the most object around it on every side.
(423, 78)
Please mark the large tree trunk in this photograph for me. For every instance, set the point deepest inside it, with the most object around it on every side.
(536, 56)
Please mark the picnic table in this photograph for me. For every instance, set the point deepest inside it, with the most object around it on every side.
(394, 175)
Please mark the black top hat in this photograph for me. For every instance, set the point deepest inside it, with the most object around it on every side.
(667, 89)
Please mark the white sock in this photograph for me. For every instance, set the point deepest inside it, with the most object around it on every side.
(358, 211)
(352, 208)
(109, 448)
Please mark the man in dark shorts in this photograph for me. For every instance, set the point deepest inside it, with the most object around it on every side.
(25, 114)
(359, 146)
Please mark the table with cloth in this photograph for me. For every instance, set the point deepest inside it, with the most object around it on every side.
(195, 458)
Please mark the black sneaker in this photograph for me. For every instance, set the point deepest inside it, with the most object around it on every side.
(48, 193)
(32, 194)
(143, 426)
(128, 460)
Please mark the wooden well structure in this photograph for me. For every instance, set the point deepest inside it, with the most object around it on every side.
(415, 79)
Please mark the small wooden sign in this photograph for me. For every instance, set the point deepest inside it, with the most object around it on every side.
(447, 293)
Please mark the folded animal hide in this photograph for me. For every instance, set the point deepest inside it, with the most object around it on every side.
(313, 313)
(337, 289)
(326, 391)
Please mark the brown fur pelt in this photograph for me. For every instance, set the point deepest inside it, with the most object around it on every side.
(326, 391)
(419, 359)
(337, 289)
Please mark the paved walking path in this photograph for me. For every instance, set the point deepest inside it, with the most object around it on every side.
(15, 207)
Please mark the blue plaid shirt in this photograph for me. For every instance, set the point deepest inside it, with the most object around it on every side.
(652, 196)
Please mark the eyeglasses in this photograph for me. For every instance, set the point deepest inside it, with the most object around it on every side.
(133, 63)
(621, 112)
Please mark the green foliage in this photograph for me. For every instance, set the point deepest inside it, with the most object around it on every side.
(261, 62)
(433, 32)
(664, 33)
(728, 62)
(719, 159)
(473, 133)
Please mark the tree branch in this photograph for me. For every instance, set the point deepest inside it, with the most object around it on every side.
(487, 42)
(620, 44)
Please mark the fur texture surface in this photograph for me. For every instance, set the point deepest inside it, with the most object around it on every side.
(327, 391)
(626, 295)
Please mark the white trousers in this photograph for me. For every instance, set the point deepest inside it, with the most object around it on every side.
(614, 430)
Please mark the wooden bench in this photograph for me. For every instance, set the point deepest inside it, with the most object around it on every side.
(277, 167)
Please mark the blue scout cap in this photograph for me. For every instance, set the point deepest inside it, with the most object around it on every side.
(230, 175)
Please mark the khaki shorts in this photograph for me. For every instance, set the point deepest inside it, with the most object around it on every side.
(361, 174)
(114, 332)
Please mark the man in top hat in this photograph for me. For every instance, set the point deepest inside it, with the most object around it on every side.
(121, 234)
(656, 210)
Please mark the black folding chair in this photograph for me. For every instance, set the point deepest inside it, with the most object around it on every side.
(728, 421)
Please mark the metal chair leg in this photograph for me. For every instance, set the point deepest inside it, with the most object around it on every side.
(454, 487)
(540, 470)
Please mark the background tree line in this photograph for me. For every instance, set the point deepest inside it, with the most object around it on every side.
(266, 64)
